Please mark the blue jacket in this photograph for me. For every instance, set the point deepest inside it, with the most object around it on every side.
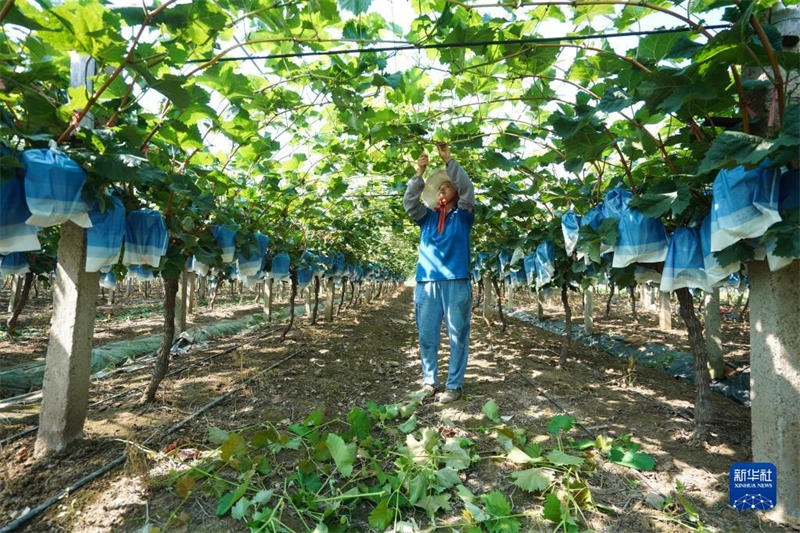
(443, 256)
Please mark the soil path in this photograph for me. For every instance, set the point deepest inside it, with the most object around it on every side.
(370, 353)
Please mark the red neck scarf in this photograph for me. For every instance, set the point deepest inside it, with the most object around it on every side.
(443, 212)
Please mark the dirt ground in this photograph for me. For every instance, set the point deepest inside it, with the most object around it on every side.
(127, 318)
(370, 353)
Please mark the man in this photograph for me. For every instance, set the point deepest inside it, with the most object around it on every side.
(443, 287)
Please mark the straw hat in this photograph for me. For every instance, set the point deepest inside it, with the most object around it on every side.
(432, 184)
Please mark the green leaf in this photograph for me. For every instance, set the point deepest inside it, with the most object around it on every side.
(343, 454)
(360, 424)
(225, 503)
(665, 196)
(557, 457)
(560, 423)
(455, 456)
(314, 418)
(553, 509)
(496, 503)
(235, 445)
(491, 411)
(355, 6)
(239, 511)
(420, 450)
(733, 148)
(262, 496)
(409, 425)
(631, 459)
(446, 478)
(532, 480)
(657, 46)
(381, 517)
(433, 503)
(518, 456)
(216, 435)
(417, 488)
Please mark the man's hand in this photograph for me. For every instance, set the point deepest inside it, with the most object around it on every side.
(422, 163)
(444, 151)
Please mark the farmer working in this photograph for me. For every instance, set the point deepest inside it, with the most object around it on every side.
(443, 288)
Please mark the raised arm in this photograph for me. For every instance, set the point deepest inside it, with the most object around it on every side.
(416, 209)
(459, 178)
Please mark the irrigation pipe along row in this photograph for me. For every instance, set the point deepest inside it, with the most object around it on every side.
(17, 436)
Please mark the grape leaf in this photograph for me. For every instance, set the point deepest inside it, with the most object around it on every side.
(532, 480)
(557, 457)
(343, 454)
(491, 411)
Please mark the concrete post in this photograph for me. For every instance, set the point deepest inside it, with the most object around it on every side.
(65, 390)
(588, 308)
(308, 300)
(713, 321)
(509, 296)
(665, 311)
(775, 378)
(329, 293)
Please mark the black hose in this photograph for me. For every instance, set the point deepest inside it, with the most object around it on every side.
(21, 520)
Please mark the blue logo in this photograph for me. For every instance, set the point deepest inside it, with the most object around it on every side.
(753, 486)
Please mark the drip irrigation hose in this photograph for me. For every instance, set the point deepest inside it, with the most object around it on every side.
(17, 436)
(26, 517)
(557, 406)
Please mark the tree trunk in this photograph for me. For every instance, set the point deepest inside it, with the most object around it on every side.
(713, 338)
(146, 289)
(567, 325)
(352, 295)
(632, 290)
(316, 300)
(192, 285)
(19, 305)
(738, 306)
(496, 286)
(702, 405)
(329, 297)
(14, 292)
(212, 299)
(181, 303)
(611, 287)
(480, 292)
(202, 292)
(744, 309)
(489, 304)
(344, 292)
(269, 289)
(539, 305)
(292, 295)
(162, 362)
